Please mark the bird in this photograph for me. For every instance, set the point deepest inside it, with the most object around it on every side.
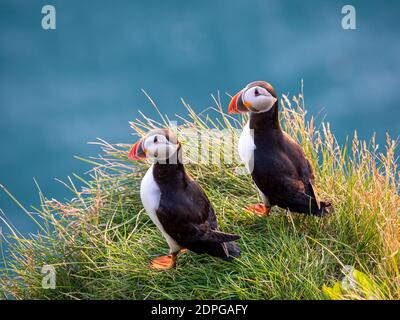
(177, 204)
(279, 168)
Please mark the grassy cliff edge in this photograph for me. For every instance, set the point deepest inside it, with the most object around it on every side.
(101, 240)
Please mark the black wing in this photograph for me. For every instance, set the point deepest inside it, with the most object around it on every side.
(305, 175)
(286, 177)
(188, 217)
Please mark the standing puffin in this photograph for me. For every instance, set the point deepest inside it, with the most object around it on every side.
(279, 168)
(177, 204)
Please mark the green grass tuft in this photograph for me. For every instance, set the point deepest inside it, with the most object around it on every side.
(100, 242)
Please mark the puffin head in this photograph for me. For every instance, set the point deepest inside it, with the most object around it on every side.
(256, 97)
(157, 144)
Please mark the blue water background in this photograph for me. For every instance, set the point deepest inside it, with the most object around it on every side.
(60, 89)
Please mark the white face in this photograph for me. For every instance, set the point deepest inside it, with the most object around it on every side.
(158, 147)
(259, 98)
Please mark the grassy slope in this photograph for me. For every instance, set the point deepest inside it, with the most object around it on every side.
(100, 242)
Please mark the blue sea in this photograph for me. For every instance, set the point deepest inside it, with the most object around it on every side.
(62, 88)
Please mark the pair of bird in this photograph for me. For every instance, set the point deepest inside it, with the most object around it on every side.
(180, 208)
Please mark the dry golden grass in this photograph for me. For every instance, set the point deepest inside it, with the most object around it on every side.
(100, 242)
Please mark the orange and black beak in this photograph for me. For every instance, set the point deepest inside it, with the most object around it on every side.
(237, 104)
(137, 151)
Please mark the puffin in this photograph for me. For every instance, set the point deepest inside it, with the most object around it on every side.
(279, 168)
(177, 204)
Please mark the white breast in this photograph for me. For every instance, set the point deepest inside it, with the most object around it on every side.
(150, 194)
(246, 147)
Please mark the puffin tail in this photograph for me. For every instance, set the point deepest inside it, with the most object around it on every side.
(319, 208)
(233, 250)
(218, 236)
(326, 208)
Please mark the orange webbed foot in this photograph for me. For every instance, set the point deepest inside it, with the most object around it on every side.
(258, 209)
(163, 262)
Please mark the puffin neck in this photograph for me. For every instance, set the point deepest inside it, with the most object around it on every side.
(170, 170)
(266, 120)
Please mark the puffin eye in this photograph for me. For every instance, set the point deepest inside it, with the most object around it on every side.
(256, 92)
(155, 139)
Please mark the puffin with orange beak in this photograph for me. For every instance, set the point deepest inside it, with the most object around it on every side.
(177, 204)
(278, 166)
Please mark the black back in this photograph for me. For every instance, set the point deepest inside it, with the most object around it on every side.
(281, 170)
(187, 215)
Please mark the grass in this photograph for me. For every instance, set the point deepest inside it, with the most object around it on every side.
(100, 241)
